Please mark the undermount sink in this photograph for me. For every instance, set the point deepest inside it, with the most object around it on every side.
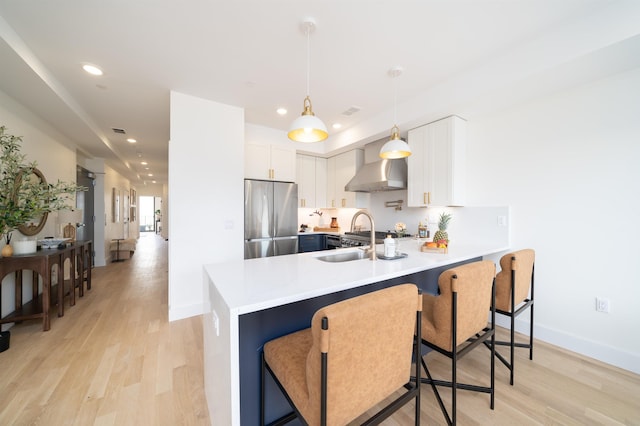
(344, 257)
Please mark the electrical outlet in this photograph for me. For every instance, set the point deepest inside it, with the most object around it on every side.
(502, 221)
(602, 305)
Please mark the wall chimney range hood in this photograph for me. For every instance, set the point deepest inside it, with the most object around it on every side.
(383, 175)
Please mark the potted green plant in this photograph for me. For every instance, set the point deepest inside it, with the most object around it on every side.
(22, 199)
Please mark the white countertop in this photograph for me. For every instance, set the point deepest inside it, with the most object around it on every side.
(319, 232)
(255, 284)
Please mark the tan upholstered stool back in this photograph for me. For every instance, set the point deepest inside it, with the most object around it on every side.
(369, 345)
(473, 283)
(521, 262)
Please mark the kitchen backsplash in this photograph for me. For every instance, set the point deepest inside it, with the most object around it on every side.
(475, 223)
(385, 217)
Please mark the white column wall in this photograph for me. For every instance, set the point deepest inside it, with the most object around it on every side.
(568, 166)
(206, 195)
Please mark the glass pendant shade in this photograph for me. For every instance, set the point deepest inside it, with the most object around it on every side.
(395, 147)
(307, 128)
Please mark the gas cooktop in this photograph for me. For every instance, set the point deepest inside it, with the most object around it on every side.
(379, 234)
(351, 239)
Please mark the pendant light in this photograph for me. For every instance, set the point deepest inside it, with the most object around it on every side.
(395, 147)
(307, 127)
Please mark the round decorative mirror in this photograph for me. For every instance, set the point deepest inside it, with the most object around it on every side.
(36, 224)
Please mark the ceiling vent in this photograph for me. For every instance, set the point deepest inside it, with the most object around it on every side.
(120, 131)
(351, 111)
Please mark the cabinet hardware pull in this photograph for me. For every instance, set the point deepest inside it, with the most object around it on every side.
(344, 202)
(424, 198)
(429, 197)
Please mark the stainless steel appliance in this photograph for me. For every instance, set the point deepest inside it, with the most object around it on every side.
(270, 218)
(383, 175)
(333, 241)
(363, 238)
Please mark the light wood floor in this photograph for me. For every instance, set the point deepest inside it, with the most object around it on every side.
(114, 359)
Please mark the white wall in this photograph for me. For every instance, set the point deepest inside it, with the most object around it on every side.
(569, 167)
(164, 211)
(55, 159)
(205, 200)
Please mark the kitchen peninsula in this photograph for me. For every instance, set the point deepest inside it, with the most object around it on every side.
(249, 302)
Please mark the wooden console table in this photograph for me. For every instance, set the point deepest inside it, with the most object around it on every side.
(41, 262)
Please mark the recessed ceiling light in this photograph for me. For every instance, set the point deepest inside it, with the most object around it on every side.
(131, 140)
(336, 125)
(153, 181)
(150, 174)
(144, 163)
(91, 69)
(282, 111)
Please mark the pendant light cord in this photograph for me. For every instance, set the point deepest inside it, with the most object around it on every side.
(394, 73)
(395, 101)
(308, 58)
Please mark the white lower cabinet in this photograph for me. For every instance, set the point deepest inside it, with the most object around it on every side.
(436, 167)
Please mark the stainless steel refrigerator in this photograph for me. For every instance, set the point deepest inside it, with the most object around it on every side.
(270, 218)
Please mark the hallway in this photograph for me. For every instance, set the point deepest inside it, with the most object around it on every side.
(113, 358)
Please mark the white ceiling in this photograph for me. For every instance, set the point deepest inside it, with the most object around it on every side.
(460, 57)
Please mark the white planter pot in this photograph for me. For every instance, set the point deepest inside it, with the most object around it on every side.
(24, 246)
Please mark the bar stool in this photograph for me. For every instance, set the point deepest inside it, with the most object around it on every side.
(514, 295)
(356, 354)
(455, 322)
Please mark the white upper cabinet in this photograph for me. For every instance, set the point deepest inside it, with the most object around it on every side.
(340, 169)
(436, 167)
(270, 162)
(312, 181)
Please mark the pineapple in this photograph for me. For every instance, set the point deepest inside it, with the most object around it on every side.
(441, 235)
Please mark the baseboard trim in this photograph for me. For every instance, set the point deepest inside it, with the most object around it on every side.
(186, 311)
(589, 348)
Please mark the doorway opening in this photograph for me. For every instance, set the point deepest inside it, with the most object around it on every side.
(150, 214)
(85, 203)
